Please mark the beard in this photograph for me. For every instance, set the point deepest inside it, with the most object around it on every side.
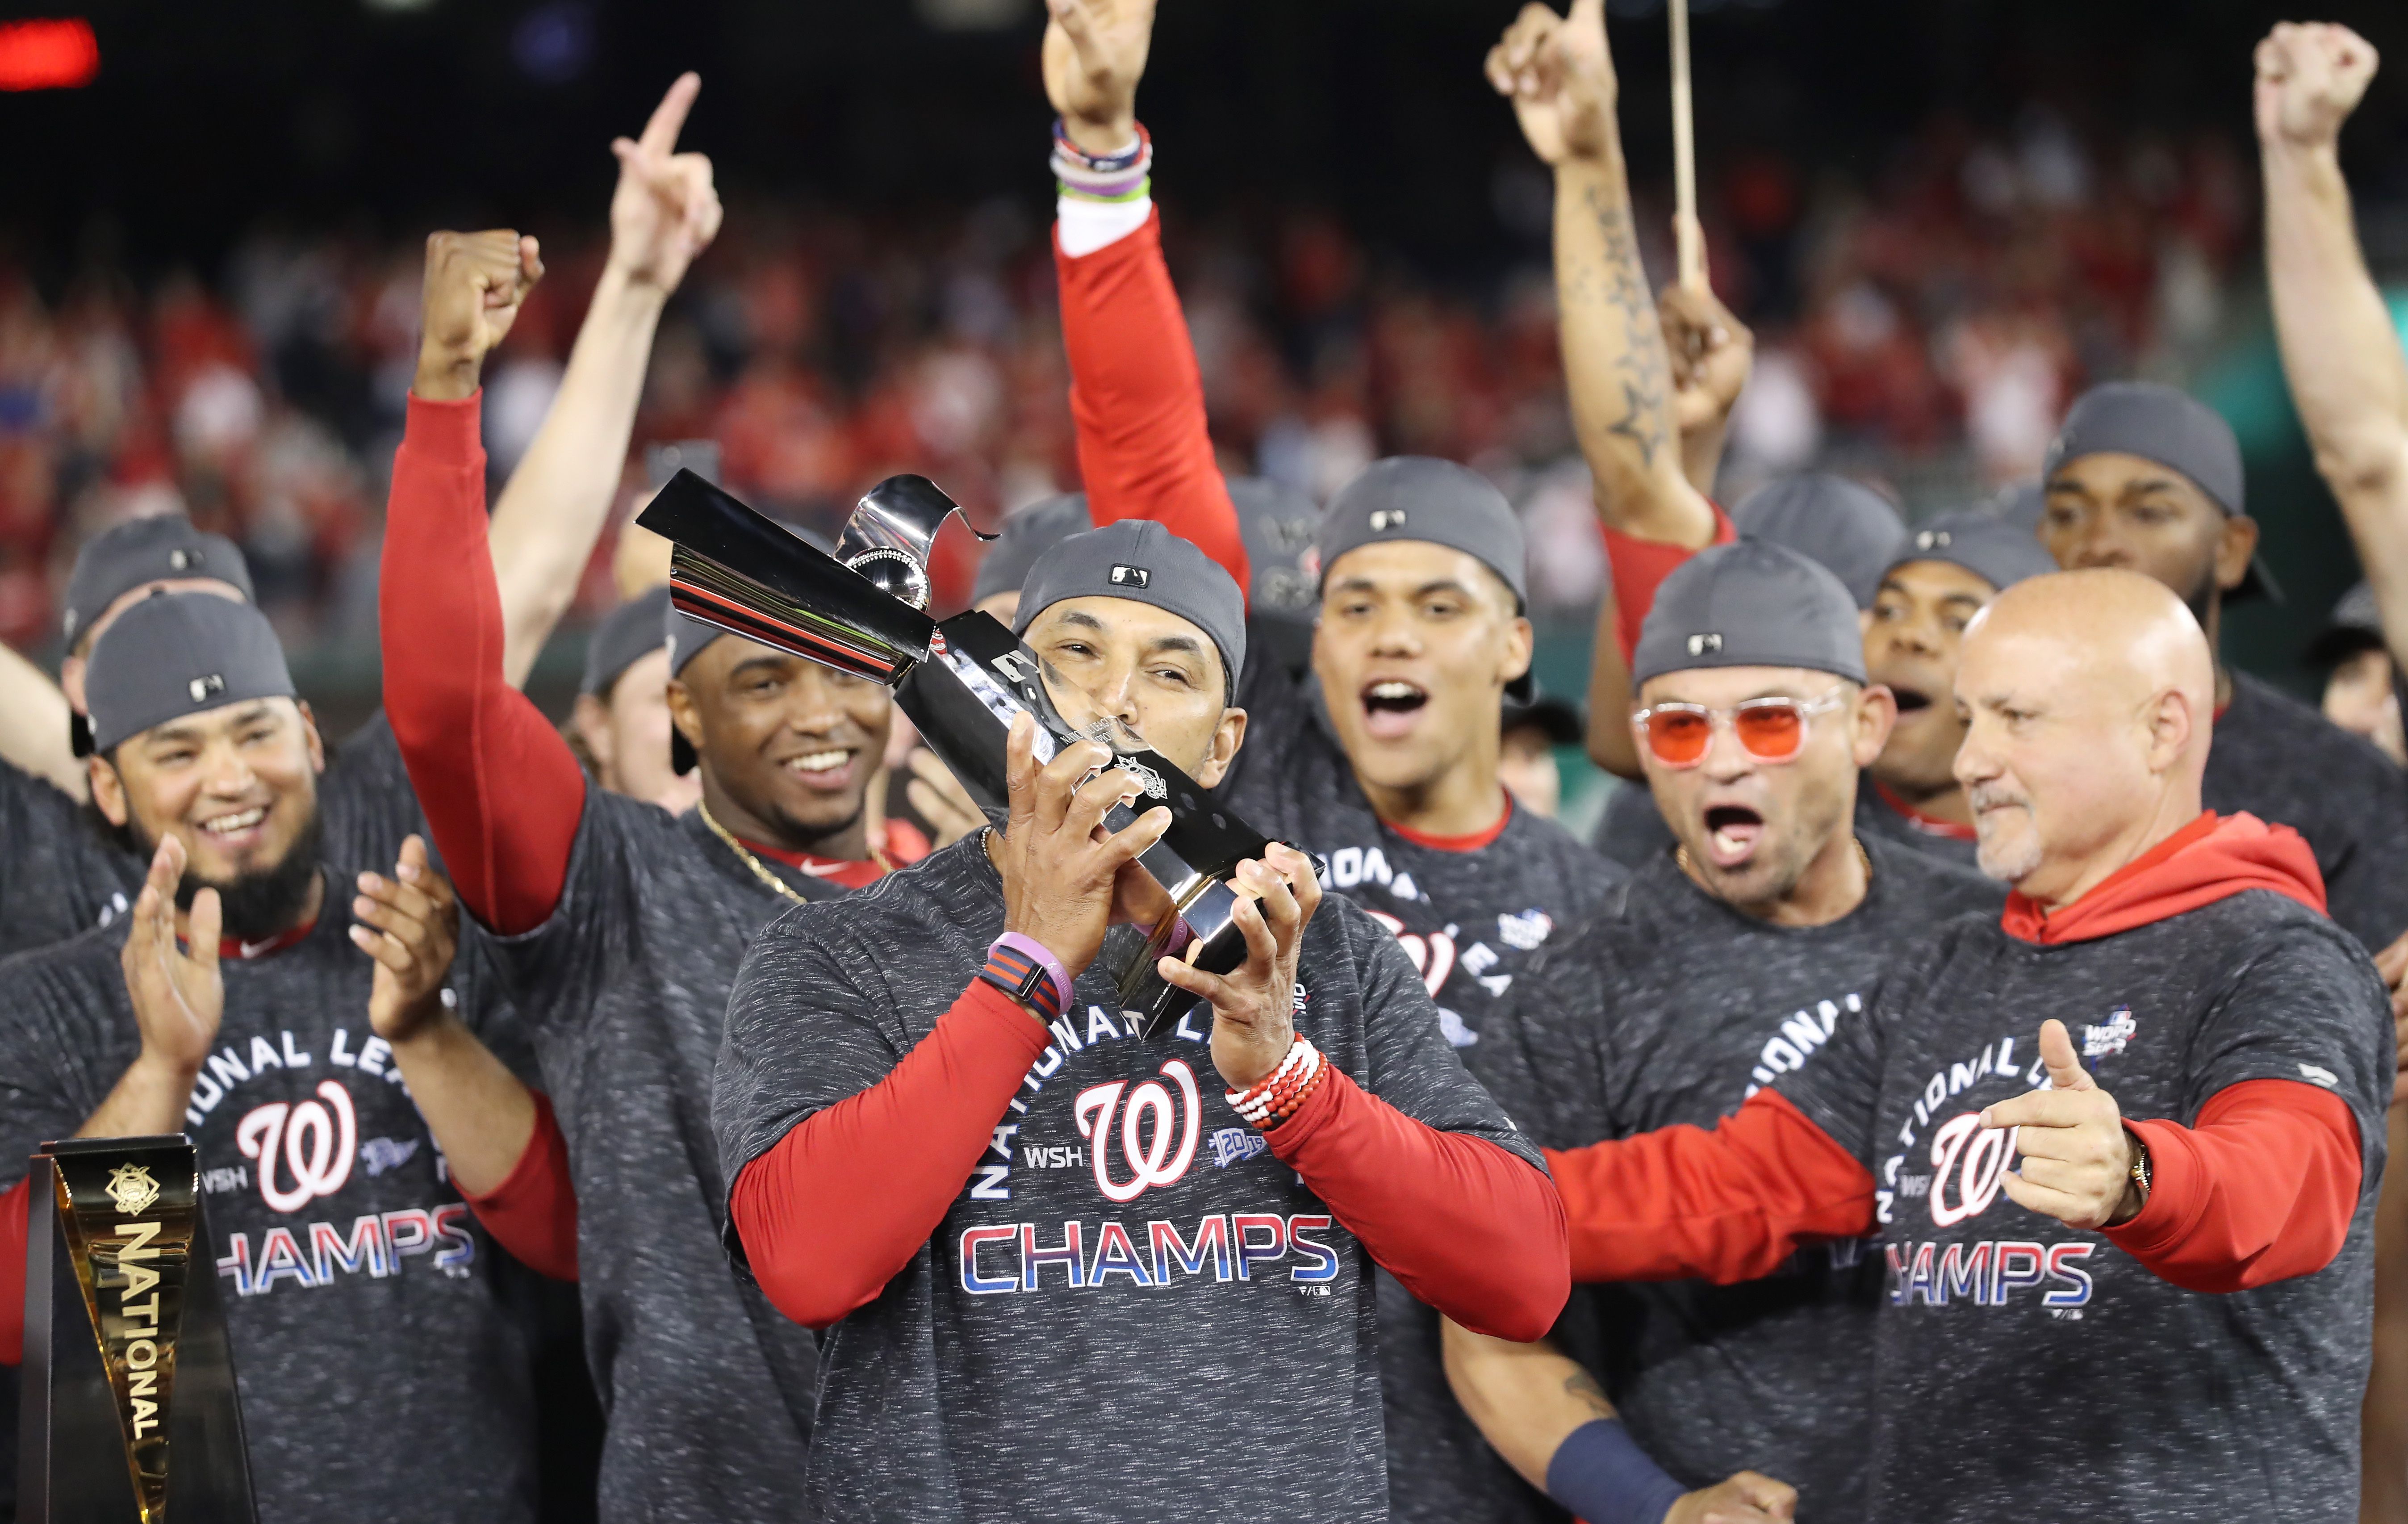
(258, 904)
(2009, 861)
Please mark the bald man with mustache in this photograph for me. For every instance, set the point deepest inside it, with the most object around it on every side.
(2120, 1146)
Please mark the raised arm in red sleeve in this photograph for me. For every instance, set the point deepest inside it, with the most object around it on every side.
(532, 1212)
(501, 790)
(14, 1227)
(1641, 566)
(1467, 1226)
(839, 1205)
(1137, 397)
(2263, 1189)
(1726, 1206)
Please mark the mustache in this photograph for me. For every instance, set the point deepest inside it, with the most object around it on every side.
(1993, 796)
(1119, 735)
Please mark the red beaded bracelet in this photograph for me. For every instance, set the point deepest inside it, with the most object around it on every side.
(1281, 1094)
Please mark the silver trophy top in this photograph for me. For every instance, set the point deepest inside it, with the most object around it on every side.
(893, 527)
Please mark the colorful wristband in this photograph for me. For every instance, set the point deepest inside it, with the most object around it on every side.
(1601, 1473)
(1021, 968)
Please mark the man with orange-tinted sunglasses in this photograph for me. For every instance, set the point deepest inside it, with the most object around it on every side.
(1717, 968)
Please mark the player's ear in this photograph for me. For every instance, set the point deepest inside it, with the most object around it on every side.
(2235, 544)
(1228, 734)
(107, 790)
(310, 738)
(591, 719)
(685, 713)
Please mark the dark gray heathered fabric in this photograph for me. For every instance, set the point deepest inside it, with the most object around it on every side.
(2093, 1380)
(1632, 832)
(2283, 761)
(1670, 1008)
(1471, 921)
(1190, 1397)
(59, 876)
(707, 1388)
(395, 1389)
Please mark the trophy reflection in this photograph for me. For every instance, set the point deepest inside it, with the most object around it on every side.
(864, 611)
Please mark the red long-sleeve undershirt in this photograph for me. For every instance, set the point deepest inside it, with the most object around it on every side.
(839, 1206)
(1137, 397)
(531, 1213)
(1639, 567)
(2263, 1189)
(501, 790)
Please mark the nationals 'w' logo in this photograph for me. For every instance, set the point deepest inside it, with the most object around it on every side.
(1148, 1153)
(1984, 1153)
(303, 1151)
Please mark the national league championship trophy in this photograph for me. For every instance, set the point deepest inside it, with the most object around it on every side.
(864, 612)
(130, 1413)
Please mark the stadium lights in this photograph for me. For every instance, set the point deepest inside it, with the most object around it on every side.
(59, 54)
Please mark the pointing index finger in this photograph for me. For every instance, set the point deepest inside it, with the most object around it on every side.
(669, 118)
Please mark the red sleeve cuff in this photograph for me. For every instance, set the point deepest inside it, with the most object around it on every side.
(1639, 567)
(15, 1226)
(447, 431)
(532, 1212)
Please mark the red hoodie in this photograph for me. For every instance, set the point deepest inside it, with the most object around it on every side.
(2262, 1188)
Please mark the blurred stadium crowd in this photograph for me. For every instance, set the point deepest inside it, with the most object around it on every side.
(1923, 321)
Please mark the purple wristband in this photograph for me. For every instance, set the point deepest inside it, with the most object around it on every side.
(1037, 953)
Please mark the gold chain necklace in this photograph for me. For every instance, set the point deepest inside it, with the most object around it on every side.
(760, 869)
(1681, 856)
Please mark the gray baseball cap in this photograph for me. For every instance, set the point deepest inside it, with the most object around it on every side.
(627, 634)
(1140, 560)
(1279, 525)
(177, 654)
(1750, 604)
(1028, 534)
(2354, 624)
(1843, 524)
(1999, 553)
(1416, 498)
(2178, 432)
(166, 548)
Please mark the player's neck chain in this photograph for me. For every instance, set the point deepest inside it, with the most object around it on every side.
(1681, 856)
(744, 855)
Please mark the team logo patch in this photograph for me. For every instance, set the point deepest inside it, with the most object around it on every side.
(2319, 1075)
(1131, 576)
(204, 688)
(1235, 1146)
(1386, 519)
(2110, 1037)
(133, 1188)
(1706, 644)
(1524, 932)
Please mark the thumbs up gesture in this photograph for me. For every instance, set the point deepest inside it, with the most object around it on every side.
(1558, 73)
(2077, 1155)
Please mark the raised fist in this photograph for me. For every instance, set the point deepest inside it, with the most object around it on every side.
(1094, 54)
(1712, 352)
(2310, 78)
(666, 210)
(1558, 73)
(475, 282)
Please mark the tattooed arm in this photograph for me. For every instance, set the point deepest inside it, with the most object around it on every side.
(1558, 74)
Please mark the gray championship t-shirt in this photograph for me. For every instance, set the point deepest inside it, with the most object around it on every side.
(706, 1389)
(382, 1378)
(2286, 763)
(2026, 1370)
(1471, 921)
(1133, 1309)
(1670, 1008)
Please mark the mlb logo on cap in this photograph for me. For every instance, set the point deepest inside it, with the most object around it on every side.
(203, 688)
(183, 559)
(1386, 519)
(1131, 576)
(1702, 645)
(1934, 540)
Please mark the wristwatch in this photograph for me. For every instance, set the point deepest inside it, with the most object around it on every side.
(2140, 1164)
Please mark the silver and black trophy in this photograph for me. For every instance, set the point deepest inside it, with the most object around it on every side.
(130, 1412)
(864, 611)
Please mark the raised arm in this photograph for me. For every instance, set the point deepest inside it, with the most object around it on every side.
(2340, 350)
(1559, 75)
(1136, 393)
(501, 790)
(34, 725)
(664, 213)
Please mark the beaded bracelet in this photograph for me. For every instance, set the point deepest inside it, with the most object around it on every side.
(1279, 1097)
